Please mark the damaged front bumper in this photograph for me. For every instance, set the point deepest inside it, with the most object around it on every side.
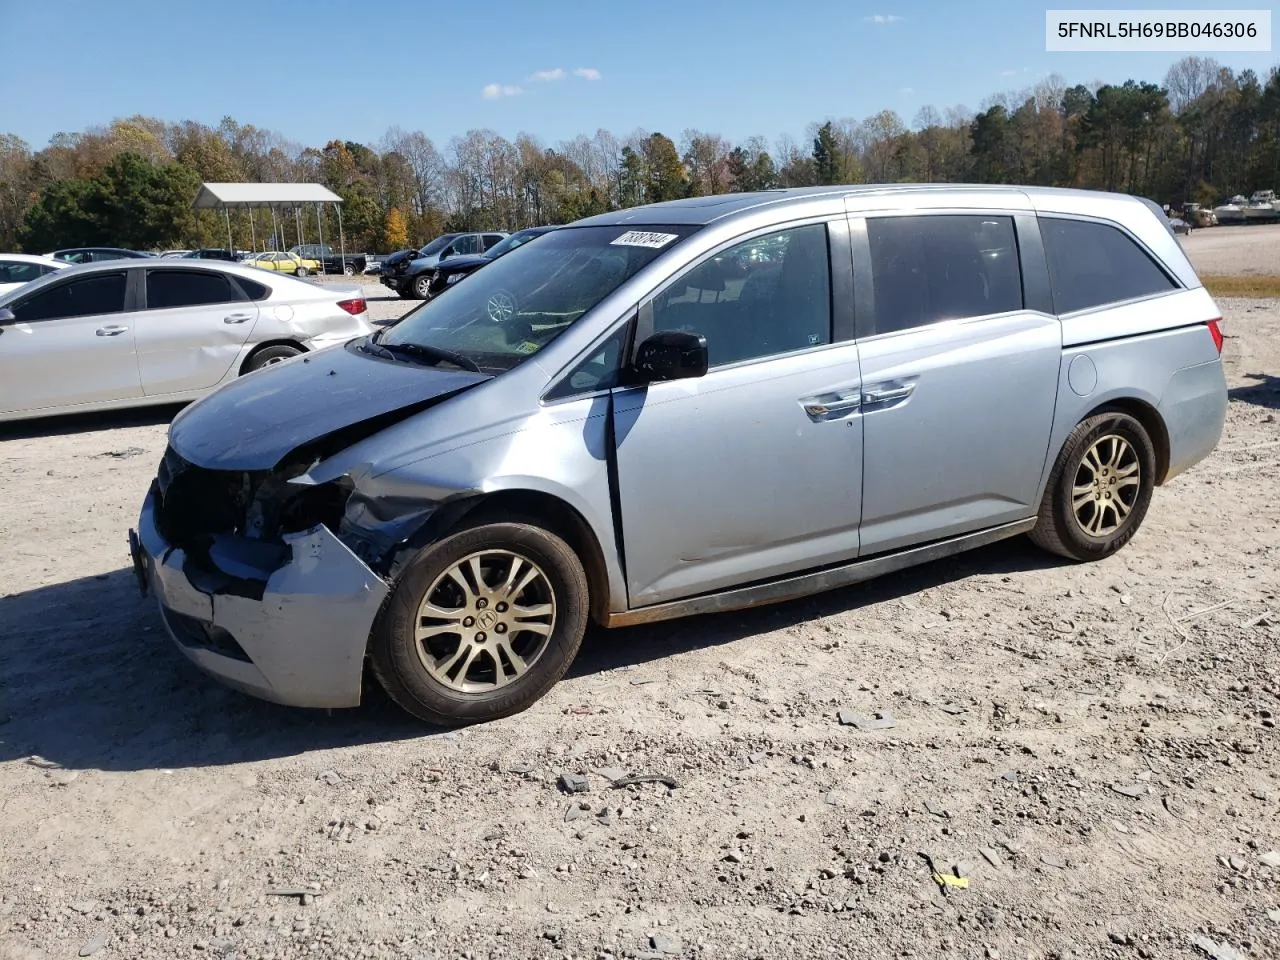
(302, 644)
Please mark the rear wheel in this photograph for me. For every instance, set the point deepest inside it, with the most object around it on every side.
(268, 356)
(349, 269)
(482, 624)
(1099, 490)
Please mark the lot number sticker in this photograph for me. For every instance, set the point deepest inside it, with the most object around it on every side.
(639, 238)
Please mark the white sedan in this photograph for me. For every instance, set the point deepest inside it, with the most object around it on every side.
(129, 333)
(19, 268)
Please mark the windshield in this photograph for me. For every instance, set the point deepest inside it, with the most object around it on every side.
(514, 307)
(436, 245)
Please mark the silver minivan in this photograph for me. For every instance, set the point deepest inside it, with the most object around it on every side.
(676, 409)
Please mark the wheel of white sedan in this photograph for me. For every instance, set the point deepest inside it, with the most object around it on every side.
(482, 624)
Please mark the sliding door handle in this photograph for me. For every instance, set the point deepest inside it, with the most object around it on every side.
(887, 394)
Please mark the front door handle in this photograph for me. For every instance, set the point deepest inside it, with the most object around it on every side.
(236, 318)
(832, 406)
(112, 331)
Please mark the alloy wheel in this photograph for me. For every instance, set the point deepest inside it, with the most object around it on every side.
(485, 621)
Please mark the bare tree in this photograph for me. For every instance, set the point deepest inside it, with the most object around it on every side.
(1188, 79)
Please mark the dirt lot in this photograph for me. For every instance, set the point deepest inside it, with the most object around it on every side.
(1096, 743)
(1246, 250)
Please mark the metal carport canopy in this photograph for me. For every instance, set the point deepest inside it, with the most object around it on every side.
(226, 196)
(215, 196)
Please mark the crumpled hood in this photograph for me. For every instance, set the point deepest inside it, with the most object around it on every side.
(254, 422)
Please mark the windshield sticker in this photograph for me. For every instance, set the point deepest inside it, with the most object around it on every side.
(527, 346)
(640, 238)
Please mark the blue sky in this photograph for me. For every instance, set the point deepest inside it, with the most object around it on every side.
(321, 69)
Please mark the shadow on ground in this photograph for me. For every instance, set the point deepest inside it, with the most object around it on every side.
(74, 423)
(1264, 393)
(91, 681)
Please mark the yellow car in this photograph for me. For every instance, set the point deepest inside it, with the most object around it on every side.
(284, 263)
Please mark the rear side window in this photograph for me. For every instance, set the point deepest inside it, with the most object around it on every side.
(15, 271)
(1092, 264)
(253, 290)
(85, 297)
(187, 288)
(942, 267)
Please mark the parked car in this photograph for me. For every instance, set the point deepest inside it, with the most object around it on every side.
(174, 253)
(911, 371)
(450, 271)
(211, 253)
(133, 333)
(1180, 226)
(284, 263)
(406, 272)
(17, 269)
(98, 254)
(330, 259)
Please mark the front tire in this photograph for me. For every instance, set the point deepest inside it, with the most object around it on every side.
(482, 624)
(422, 287)
(1099, 490)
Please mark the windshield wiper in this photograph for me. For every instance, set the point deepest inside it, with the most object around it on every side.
(421, 351)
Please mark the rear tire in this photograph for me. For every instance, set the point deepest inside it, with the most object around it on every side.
(440, 660)
(1099, 490)
(301, 272)
(268, 356)
(349, 269)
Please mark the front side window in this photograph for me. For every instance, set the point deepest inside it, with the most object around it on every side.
(1092, 264)
(187, 288)
(765, 296)
(600, 369)
(101, 293)
(518, 304)
(942, 267)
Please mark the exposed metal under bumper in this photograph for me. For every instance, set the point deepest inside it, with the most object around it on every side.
(808, 584)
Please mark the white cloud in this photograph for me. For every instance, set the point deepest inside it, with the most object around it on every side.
(587, 73)
(883, 18)
(907, 91)
(495, 90)
(544, 76)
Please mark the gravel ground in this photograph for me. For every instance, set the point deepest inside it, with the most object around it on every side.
(1251, 249)
(1093, 747)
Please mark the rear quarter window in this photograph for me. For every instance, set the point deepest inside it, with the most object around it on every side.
(1094, 264)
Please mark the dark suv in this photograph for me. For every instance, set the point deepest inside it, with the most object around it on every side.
(409, 272)
(444, 275)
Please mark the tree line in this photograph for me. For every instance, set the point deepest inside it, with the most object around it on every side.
(1205, 133)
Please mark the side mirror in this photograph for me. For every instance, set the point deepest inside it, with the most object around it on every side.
(7, 317)
(671, 355)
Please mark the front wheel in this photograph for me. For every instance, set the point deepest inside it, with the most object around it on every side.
(1099, 490)
(422, 286)
(482, 624)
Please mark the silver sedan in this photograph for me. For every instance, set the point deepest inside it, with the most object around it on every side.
(132, 333)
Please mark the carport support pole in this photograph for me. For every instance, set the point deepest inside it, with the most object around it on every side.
(230, 246)
(320, 229)
(253, 240)
(297, 219)
(342, 244)
(276, 239)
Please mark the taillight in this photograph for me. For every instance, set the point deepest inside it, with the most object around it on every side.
(1216, 332)
(354, 307)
